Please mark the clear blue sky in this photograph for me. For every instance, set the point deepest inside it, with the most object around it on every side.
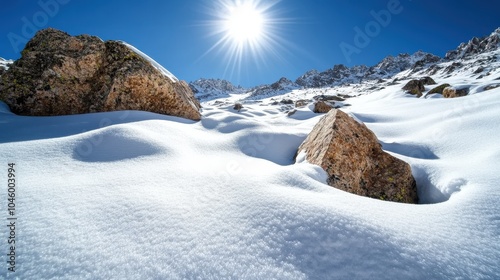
(307, 34)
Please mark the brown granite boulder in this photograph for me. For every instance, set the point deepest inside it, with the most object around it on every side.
(59, 74)
(353, 159)
(451, 92)
(322, 107)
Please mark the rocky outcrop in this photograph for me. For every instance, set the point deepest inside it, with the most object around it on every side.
(59, 74)
(451, 92)
(355, 162)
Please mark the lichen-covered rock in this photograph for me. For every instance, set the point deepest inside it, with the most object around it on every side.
(451, 92)
(415, 87)
(439, 89)
(428, 81)
(355, 162)
(322, 107)
(59, 74)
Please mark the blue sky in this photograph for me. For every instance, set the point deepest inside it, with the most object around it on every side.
(302, 35)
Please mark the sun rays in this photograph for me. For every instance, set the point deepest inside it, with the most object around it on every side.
(246, 32)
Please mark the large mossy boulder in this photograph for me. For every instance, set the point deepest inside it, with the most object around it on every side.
(59, 74)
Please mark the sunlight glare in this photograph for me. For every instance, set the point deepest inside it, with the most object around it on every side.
(244, 23)
(247, 32)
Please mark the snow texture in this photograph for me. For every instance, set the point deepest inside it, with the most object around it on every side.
(136, 195)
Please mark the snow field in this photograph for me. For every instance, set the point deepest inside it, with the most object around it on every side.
(136, 195)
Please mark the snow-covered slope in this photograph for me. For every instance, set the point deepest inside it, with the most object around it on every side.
(136, 195)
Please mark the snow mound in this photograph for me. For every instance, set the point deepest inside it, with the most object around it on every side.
(114, 144)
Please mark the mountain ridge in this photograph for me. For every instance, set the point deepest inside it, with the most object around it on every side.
(419, 62)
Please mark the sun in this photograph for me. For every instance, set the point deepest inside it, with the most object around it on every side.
(244, 23)
(247, 32)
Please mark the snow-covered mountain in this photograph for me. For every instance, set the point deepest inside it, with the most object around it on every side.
(476, 59)
(476, 46)
(419, 62)
(208, 89)
(389, 66)
(283, 85)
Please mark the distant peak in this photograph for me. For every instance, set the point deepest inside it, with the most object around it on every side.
(476, 46)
